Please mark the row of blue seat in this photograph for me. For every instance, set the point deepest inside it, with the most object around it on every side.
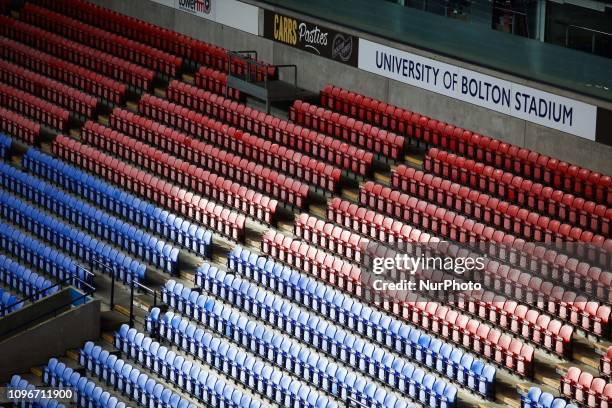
(254, 372)
(103, 225)
(348, 312)
(41, 256)
(120, 374)
(23, 280)
(166, 224)
(321, 333)
(69, 239)
(535, 398)
(368, 359)
(86, 393)
(5, 144)
(18, 383)
(291, 356)
(8, 302)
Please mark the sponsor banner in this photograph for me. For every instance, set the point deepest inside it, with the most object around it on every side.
(516, 100)
(311, 37)
(231, 13)
(200, 8)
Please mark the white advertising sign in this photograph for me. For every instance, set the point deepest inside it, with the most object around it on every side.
(543, 108)
(231, 13)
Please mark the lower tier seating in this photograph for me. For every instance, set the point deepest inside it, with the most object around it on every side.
(107, 227)
(140, 212)
(535, 398)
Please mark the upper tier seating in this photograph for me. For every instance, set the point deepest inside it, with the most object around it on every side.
(348, 129)
(177, 171)
(216, 82)
(71, 74)
(156, 36)
(264, 151)
(538, 167)
(224, 162)
(554, 203)
(106, 64)
(113, 44)
(40, 110)
(279, 131)
(69, 98)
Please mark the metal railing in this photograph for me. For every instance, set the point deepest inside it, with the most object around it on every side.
(88, 291)
(595, 34)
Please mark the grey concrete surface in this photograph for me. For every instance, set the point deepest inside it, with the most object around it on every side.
(68, 330)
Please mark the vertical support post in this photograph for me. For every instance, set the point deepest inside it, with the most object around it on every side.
(112, 294)
(132, 302)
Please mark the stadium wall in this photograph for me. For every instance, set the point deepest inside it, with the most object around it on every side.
(314, 72)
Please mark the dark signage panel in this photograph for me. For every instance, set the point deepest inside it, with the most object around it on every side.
(311, 37)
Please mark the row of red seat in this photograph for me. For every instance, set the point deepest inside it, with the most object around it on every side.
(155, 36)
(269, 127)
(529, 323)
(34, 107)
(501, 348)
(576, 211)
(250, 173)
(532, 324)
(262, 151)
(451, 225)
(507, 185)
(215, 81)
(63, 71)
(479, 206)
(330, 236)
(79, 54)
(180, 172)
(353, 131)
(111, 43)
(530, 164)
(486, 179)
(62, 95)
(325, 266)
(567, 305)
(585, 389)
(17, 126)
(151, 187)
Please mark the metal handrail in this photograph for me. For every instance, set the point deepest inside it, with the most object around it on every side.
(33, 296)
